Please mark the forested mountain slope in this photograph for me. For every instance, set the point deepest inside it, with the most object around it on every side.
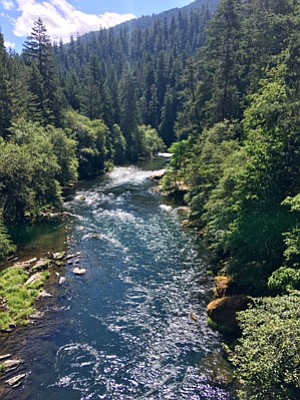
(135, 68)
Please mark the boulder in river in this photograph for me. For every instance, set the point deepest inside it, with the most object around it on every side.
(157, 176)
(183, 210)
(61, 280)
(222, 312)
(79, 271)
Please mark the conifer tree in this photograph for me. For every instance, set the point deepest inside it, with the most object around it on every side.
(38, 53)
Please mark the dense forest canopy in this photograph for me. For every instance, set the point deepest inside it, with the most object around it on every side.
(222, 89)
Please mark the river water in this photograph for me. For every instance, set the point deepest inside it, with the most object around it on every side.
(134, 327)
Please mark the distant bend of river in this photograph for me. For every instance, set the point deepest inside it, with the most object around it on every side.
(124, 330)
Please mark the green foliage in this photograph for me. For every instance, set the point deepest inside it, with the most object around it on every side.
(64, 149)
(148, 142)
(33, 166)
(91, 137)
(43, 166)
(6, 246)
(119, 145)
(16, 174)
(19, 299)
(178, 165)
(38, 54)
(206, 163)
(284, 280)
(267, 358)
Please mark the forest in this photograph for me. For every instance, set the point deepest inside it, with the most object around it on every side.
(221, 91)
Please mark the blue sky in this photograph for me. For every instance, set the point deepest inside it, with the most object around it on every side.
(64, 18)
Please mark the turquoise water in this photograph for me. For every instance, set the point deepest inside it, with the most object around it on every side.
(124, 330)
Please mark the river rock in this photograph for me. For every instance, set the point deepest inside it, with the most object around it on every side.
(41, 265)
(157, 176)
(16, 380)
(183, 210)
(10, 365)
(37, 315)
(61, 280)
(5, 356)
(25, 264)
(222, 312)
(79, 271)
(34, 278)
(186, 223)
(194, 317)
(43, 294)
(58, 255)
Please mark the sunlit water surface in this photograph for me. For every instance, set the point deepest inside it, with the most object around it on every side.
(124, 330)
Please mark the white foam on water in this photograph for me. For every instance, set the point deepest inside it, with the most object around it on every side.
(106, 238)
(129, 175)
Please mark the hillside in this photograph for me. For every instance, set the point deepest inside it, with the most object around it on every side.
(145, 57)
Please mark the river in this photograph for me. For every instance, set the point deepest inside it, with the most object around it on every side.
(134, 327)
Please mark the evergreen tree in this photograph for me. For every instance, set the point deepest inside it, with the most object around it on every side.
(5, 106)
(38, 53)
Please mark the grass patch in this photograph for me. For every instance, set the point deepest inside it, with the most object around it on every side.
(20, 299)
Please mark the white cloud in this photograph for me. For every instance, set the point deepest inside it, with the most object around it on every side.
(9, 45)
(7, 4)
(62, 19)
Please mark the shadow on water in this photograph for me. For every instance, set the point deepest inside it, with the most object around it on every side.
(124, 330)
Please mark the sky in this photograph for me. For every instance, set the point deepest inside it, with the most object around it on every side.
(64, 18)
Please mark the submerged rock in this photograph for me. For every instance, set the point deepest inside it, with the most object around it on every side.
(222, 312)
(79, 271)
(218, 369)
